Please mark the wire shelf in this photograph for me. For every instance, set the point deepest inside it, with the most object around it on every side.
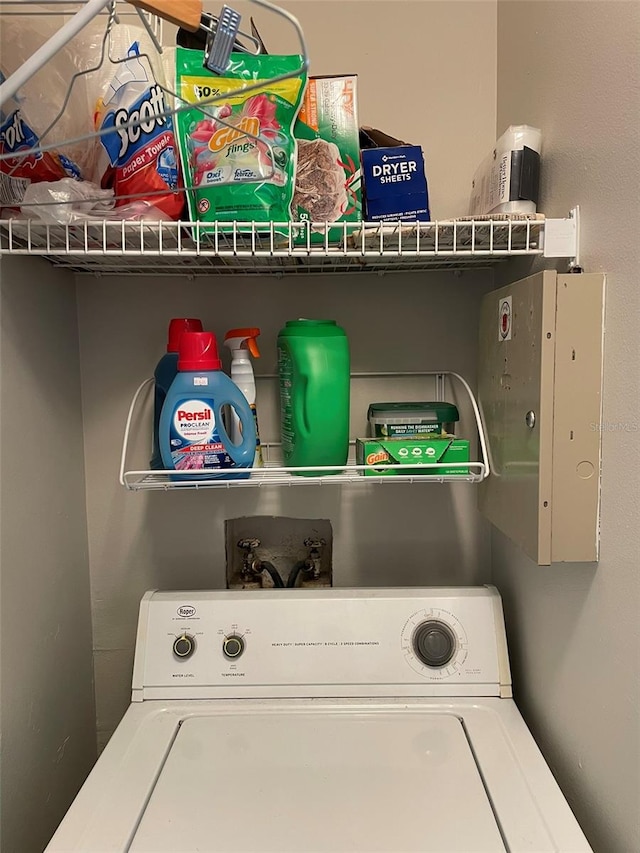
(109, 247)
(276, 474)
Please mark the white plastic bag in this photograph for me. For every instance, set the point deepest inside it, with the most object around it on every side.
(68, 202)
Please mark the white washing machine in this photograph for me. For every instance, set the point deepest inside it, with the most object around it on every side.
(328, 720)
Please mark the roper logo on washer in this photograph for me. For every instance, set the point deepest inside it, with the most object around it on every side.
(186, 610)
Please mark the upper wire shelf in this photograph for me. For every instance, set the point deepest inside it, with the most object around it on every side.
(149, 248)
(189, 248)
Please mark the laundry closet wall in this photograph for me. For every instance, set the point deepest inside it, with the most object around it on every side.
(574, 70)
(47, 714)
(426, 74)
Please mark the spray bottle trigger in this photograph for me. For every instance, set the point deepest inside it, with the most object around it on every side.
(252, 346)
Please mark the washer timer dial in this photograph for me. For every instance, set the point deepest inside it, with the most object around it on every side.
(434, 643)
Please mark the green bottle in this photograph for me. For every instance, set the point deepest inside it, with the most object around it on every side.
(313, 366)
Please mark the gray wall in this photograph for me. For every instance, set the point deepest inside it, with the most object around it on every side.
(142, 540)
(427, 75)
(572, 69)
(48, 718)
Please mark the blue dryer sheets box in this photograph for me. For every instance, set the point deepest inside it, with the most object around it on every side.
(395, 184)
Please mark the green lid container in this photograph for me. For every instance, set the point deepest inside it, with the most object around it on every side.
(388, 420)
(314, 374)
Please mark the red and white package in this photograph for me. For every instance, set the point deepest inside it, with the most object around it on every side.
(138, 162)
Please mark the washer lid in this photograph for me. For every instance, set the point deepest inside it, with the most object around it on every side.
(319, 782)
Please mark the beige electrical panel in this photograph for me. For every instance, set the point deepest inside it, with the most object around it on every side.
(540, 390)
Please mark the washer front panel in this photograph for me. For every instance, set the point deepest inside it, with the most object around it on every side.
(285, 641)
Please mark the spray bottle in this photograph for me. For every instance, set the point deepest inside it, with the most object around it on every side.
(242, 344)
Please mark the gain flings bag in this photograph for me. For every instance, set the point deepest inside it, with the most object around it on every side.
(234, 175)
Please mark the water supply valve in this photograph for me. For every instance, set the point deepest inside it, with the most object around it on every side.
(250, 562)
(254, 569)
(313, 561)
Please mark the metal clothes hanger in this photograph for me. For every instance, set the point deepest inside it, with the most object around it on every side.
(181, 12)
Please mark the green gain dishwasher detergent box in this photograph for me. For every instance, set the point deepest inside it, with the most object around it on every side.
(328, 175)
(380, 453)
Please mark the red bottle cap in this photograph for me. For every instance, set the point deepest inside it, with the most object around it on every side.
(198, 352)
(177, 327)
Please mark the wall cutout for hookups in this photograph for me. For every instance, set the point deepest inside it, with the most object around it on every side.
(266, 552)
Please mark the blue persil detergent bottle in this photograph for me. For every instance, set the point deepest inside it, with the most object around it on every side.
(192, 433)
(165, 372)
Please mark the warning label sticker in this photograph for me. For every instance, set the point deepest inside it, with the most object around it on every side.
(505, 318)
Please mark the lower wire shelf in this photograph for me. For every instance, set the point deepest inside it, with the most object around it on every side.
(283, 476)
(274, 473)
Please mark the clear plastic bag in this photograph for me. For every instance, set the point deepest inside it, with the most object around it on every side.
(145, 177)
(28, 116)
(68, 202)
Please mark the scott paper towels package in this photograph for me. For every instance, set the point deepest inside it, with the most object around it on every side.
(508, 179)
(140, 162)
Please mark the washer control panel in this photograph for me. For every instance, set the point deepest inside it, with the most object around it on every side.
(333, 642)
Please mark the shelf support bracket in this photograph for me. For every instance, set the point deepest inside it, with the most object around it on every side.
(562, 238)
